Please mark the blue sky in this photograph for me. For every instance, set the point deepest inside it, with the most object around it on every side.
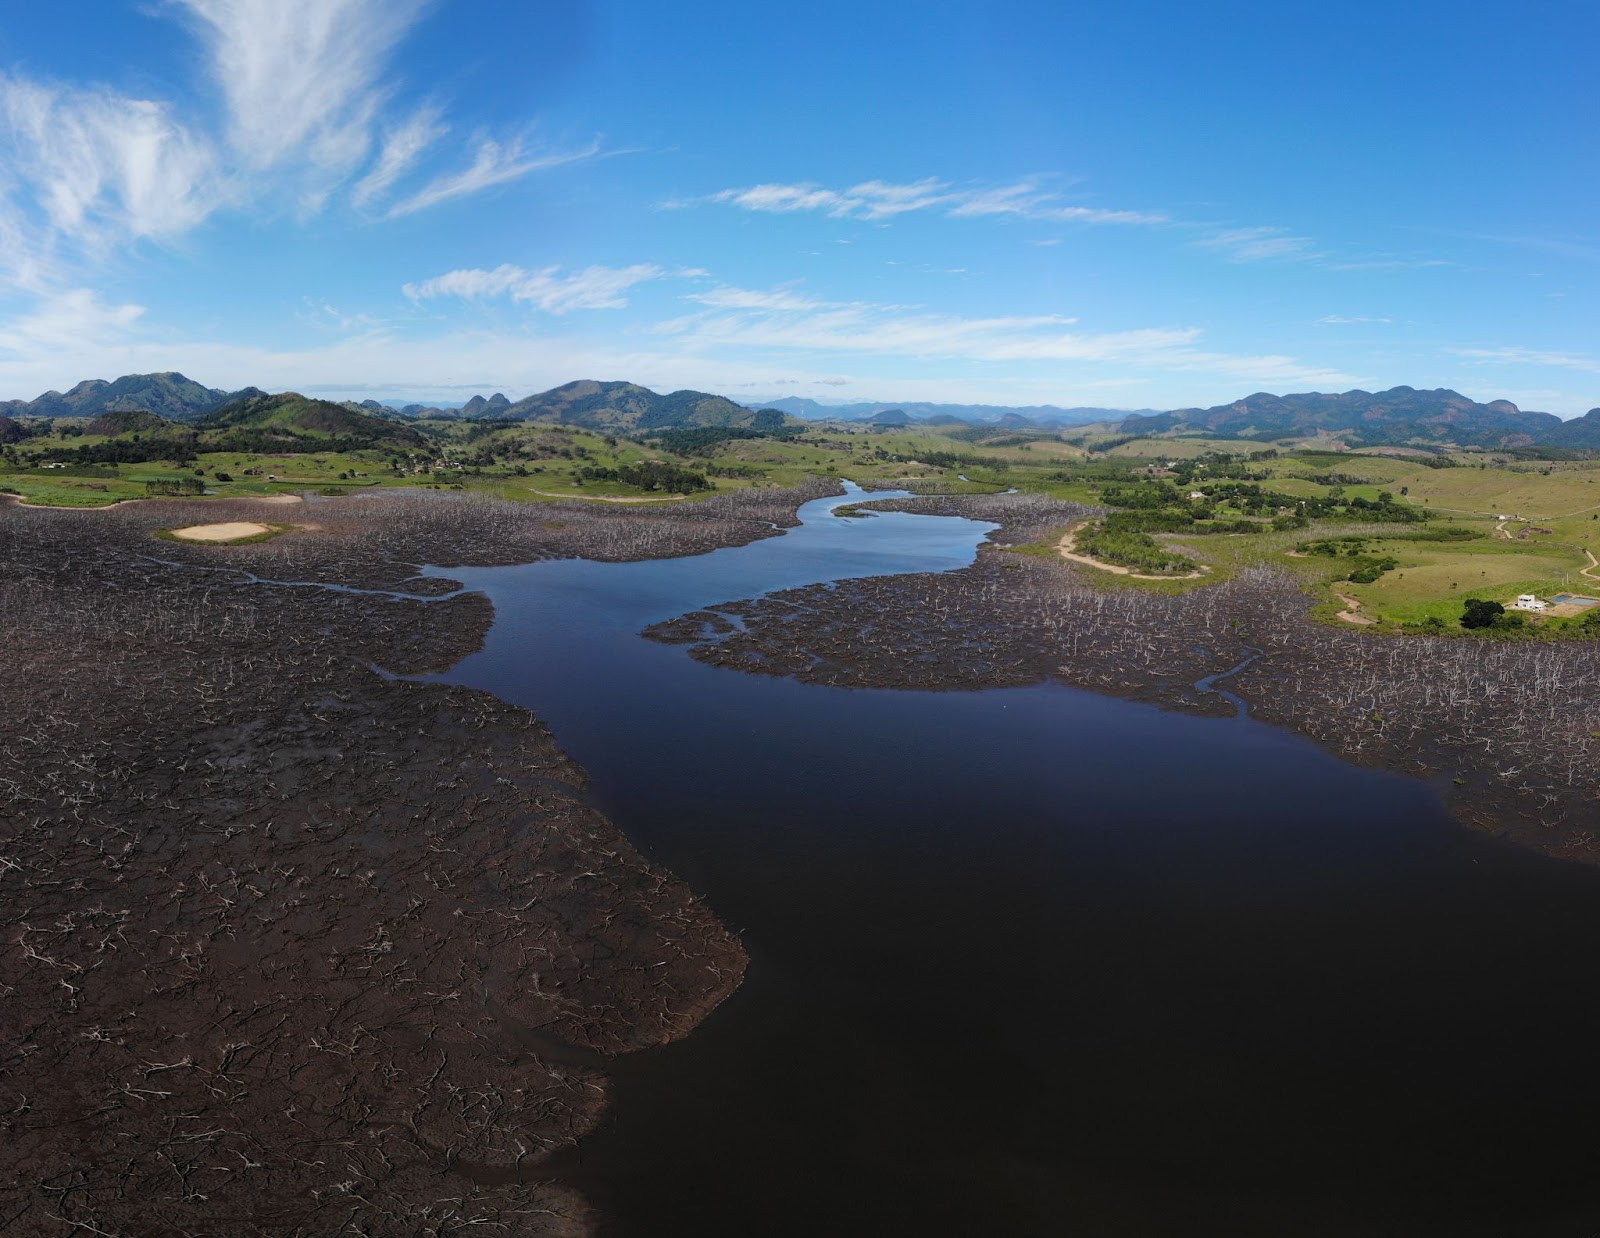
(1131, 205)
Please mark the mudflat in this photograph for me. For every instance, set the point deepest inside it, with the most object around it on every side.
(290, 943)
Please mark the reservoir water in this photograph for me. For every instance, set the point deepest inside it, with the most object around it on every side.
(1034, 961)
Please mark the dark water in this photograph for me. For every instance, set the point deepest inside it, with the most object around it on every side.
(1033, 961)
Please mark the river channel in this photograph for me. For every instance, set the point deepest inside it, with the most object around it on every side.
(1035, 961)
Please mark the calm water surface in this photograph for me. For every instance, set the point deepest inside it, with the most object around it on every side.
(1033, 961)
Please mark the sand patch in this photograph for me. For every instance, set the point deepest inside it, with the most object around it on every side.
(613, 498)
(225, 532)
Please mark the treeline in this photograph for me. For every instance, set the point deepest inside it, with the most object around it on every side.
(703, 440)
(1485, 618)
(179, 449)
(1287, 511)
(1131, 549)
(281, 443)
(648, 475)
(175, 487)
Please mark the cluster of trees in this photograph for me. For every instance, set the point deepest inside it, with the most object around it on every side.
(1484, 617)
(948, 460)
(175, 487)
(139, 449)
(1367, 568)
(1287, 511)
(1131, 549)
(277, 441)
(648, 475)
(1372, 569)
(1159, 507)
(768, 423)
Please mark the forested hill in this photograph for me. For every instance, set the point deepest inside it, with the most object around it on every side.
(266, 422)
(168, 394)
(1042, 415)
(1400, 415)
(627, 406)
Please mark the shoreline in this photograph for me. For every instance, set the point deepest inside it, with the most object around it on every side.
(1413, 707)
(357, 842)
(18, 500)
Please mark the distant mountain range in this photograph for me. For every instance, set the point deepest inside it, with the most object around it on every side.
(1042, 416)
(613, 408)
(167, 395)
(1399, 416)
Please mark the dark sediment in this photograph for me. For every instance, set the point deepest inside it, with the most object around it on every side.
(1508, 730)
(290, 946)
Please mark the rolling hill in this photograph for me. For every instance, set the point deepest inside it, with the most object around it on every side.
(1035, 415)
(167, 394)
(627, 407)
(1401, 415)
(269, 422)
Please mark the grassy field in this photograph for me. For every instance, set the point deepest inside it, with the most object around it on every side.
(1537, 518)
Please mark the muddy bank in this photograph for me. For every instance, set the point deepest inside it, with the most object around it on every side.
(290, 946)
(1508, 731)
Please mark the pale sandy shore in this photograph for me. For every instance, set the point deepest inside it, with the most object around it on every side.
(1068, 544)
(226, 531)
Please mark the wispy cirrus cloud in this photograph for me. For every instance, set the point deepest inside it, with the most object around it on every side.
(725, 297)
(878, 200)
(1530, 356)
(495, 163)
(1342, 320)
(89, 169)
(65, 321)
(1259, 244)
(304, 111)
(403, 145)
(785, 320)
(301, 78)
(547, 289)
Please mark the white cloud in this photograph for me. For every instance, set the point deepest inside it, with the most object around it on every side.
(1341, 320)
(89, 169)
(757, 322)
(1530, 356)
(1258, 245)
(68, 322)
(402, 147)
(879, 200)
(300, 77)
(595, 287)
(724, 297)
(85, 170)
(495, 164)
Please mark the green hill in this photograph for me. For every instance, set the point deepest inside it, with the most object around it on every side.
(167, 394)
(1581, 432)
(1401, 415)
(133, 421)
(626, 407)
(279, 422)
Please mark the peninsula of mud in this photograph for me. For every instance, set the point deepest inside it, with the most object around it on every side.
(1506, 731)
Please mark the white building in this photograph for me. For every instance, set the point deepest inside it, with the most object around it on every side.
(1527, 601)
